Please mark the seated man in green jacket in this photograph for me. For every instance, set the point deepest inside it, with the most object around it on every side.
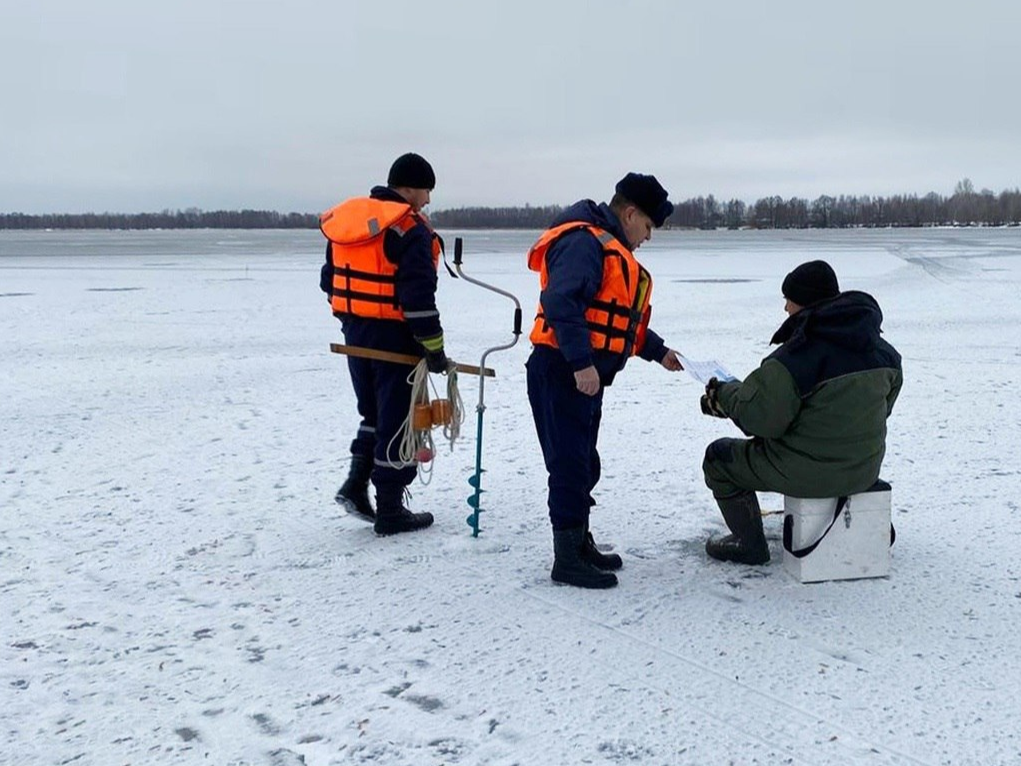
(816, 410)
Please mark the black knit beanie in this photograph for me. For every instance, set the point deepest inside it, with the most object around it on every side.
(810, 283)
(412, 171)
(647, 194)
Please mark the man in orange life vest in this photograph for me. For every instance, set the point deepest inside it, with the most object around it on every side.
(380, 275)
(593, 314)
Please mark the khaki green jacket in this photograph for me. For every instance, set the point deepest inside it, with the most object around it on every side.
(817, 407)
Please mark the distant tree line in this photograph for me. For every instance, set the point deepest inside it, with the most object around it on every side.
(192, 218)
(965, 207)
(526, 217)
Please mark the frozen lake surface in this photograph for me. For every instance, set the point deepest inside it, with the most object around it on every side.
(177, 585)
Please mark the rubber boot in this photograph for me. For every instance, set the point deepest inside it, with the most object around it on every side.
(392, 517)
(568, 565)
(608, 562)
(747, 543)
(353, 494)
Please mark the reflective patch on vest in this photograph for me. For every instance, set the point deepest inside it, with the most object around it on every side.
(373, 226)
(404, 225)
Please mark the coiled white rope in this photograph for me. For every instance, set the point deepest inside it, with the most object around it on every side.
(416, 444)
(452, 430)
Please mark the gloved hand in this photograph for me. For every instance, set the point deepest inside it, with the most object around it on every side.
(710, 401)
(436, 361)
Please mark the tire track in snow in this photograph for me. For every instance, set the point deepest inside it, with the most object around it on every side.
(947, 270)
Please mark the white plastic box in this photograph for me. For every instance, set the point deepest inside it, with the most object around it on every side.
(857, 544)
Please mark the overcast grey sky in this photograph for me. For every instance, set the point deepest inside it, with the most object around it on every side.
(131, 105)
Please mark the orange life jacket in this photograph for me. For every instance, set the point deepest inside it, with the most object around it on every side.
(364, 279)
(619, 312)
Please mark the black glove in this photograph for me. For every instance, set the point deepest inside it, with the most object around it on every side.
(436, 361)
(710, 401)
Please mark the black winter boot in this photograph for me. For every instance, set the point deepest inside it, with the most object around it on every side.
(607, 562)
(391, 515)
(570, 567)
(747, 544)
(353, 494)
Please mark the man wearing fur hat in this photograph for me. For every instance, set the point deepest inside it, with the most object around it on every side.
(593, 315)
(816, 410)
(380, 276)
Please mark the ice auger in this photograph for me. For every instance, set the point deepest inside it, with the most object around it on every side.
(474, 500)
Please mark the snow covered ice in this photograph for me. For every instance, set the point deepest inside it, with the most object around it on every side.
(177, 585)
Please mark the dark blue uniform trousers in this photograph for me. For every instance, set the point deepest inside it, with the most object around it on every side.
(384, 396)
(567, 423)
